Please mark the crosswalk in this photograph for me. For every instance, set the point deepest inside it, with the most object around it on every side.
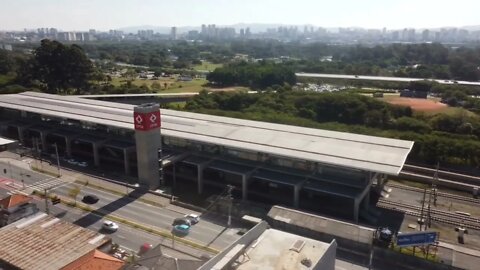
(49, 183)
(9, 184)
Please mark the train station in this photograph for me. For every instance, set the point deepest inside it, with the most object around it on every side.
(306, 168)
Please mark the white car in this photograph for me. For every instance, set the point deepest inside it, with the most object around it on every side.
(110, 226)
(82, 164)
(194, 218)
(72, 161)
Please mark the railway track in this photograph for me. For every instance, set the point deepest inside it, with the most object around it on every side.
(439, 194)
(446, 217)
(442, 174)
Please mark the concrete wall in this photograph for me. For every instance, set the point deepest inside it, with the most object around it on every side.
(327, 262)
(246, 239)
(347, 235)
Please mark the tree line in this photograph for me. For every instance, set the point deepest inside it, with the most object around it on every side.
(257, 76)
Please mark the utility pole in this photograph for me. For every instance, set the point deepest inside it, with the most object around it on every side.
(230, 202)
(46, 201)
(421, 221)
(58, 158)
(434, 184)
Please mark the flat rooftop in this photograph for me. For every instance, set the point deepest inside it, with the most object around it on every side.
(342, 149)
(4, 141)
(275, 250)
(45, 242)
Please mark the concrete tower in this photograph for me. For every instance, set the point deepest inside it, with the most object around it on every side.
(148, 141)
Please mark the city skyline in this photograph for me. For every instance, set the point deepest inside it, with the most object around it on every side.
(108, 14)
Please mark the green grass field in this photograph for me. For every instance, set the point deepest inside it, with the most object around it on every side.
(174, 86)
(207, 66)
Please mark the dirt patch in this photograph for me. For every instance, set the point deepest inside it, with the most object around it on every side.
(418, 104)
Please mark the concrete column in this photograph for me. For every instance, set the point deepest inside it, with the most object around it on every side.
(21, 135)
(244, 187)
(200, 178)
(68, 147)
(366, 201)
(356, 204)
(296, 195)
(43, 138)
(96, 155)
(126, 161)
(174, 175)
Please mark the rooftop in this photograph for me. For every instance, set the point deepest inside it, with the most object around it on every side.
(95, 259)
(362, 152)
(275, 249)
(14, 200)
(45, 242)
(4, 141)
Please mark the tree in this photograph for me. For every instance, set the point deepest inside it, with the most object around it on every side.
(73, 193)
(62, 67)
(156, 86)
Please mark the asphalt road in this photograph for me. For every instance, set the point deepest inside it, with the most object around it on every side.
(379, 78)
(210, 232)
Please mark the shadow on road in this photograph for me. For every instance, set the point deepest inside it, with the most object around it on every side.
(109, 208)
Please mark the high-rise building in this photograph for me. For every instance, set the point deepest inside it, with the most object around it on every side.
(173, 33)
(426, 35)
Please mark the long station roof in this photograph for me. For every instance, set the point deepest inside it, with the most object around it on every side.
(363, 152)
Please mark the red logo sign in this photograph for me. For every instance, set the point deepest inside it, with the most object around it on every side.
(146, 121)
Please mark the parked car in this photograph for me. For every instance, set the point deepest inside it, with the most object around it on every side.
(110, 226)
(90, 199)
(181, 221)
(82, 164)
(194, 218)
(182, 229)
(72, 161)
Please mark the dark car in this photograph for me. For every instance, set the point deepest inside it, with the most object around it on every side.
(90, 199)
(181, 221)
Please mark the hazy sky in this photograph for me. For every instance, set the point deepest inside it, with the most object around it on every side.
(111, 14)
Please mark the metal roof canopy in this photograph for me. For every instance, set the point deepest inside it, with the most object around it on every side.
(230, 167)
(40, 128)
(342, 149)
(89, 138)
(343, 181)
(64, 133)
(325, 188)
(279, 178)
(118, 144)
(195, 160)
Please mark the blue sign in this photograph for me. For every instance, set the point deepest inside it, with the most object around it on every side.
(416, 239)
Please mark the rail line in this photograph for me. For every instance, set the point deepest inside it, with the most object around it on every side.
(435, 215)
(439, 194)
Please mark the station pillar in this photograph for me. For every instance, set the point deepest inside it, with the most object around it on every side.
(68, 146)
(96, 155)
(146, 118)
(126, 161)
(21, 135)
(244, 187)
(200, 178)
(43, 139)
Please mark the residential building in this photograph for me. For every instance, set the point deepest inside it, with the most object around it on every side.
(265, 248)
(15, 207)
(41, 241)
